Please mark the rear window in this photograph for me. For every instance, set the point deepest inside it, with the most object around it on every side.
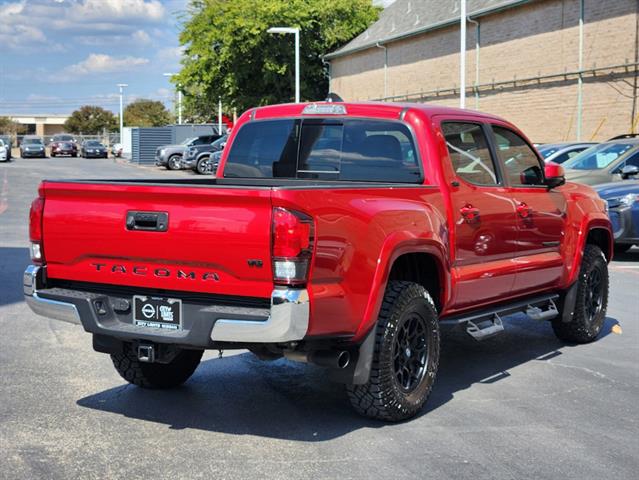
(325, 149)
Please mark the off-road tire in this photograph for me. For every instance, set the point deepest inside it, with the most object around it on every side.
(173, 163)
(586, 326)
(382, 397)
(156, 375)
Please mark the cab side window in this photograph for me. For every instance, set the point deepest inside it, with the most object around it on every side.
(469, 153)
(520, 161)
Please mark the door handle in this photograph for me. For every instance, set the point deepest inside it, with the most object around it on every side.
(524, 210)
(470, 213)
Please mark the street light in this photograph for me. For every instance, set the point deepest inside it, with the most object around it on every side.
(462, 56)
(121, 85)
(179, 92)
(296, 32)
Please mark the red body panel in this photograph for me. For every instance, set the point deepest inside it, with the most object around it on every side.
(359, 232)
(211, 234)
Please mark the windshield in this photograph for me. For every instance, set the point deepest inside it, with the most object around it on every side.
(325, 149)
(63, 138)
(188, 141)
(547, 150)
(220, 141)
(93, 143)
(32, 141)
(598, 157)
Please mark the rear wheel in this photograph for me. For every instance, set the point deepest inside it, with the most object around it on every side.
(591, 300)
(405, 357)
(174, 162)
(156, 375)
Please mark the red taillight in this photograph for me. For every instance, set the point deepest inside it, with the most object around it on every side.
(35, 229)
(292, 246)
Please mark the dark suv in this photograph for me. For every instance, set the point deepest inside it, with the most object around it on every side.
(197, 157)
(169, 156)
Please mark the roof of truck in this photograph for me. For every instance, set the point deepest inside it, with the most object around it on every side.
(357, 108)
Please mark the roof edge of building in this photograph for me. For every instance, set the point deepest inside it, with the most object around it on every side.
(421, 30)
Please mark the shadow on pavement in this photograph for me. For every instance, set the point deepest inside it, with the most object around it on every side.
(631, 255)
(241, 395)
(13, 261)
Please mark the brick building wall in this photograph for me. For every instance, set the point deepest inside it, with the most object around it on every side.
(540, 38)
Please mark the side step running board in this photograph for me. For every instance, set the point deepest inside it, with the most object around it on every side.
(536, 313)
(486, 323)
(486, 329)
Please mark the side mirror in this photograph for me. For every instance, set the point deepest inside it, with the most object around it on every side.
(555, 175)
(629, 171)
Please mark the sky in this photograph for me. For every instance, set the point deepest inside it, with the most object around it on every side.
(56, 55)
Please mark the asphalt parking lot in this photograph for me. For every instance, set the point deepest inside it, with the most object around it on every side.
(521, 405)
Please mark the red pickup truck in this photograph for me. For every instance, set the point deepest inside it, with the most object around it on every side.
(341, 234)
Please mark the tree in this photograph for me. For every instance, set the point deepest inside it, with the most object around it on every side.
(229, 54)
(90, 120)
(146, 113)
(8, 126)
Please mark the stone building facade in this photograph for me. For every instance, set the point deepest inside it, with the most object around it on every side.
(528, 62)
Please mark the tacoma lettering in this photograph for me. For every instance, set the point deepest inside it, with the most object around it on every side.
(160, 272)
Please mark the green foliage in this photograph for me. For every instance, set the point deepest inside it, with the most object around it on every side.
(90, 120)
(8, 126)
(229, 54)
(146, 113)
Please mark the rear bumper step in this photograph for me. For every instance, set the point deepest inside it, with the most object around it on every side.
(203, 325)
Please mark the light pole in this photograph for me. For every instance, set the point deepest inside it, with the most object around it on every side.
(462, 56)
(296, 32)
(121, 85)
(179, 92)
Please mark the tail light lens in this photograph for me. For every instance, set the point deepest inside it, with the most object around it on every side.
(35, 229)
(293, 238)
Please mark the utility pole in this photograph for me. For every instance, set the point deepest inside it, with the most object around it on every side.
(179, 95)
(296, 32)
(462, 56)
(121, 85)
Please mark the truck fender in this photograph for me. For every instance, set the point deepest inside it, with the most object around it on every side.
(588, 224)
(396, 245)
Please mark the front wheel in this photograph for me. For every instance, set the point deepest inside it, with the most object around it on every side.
(591, 300)
(202, 167)
(156, 375)
(405, 358)
(174, 162)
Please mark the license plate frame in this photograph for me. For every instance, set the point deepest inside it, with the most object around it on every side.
(159, 313)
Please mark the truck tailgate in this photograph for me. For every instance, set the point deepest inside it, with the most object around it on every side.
(217, 239)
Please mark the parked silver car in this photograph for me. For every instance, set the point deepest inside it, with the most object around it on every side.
(561, 152)
(603, 163)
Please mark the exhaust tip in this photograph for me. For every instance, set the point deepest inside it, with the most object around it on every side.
(343, 359)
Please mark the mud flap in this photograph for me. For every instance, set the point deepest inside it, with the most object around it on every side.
(359, 369)
(568, 304)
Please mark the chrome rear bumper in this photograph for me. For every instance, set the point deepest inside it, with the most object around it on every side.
(67, 312)
(287, 321)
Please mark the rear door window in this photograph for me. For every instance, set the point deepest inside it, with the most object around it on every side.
(325, 149)
(469, 153)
